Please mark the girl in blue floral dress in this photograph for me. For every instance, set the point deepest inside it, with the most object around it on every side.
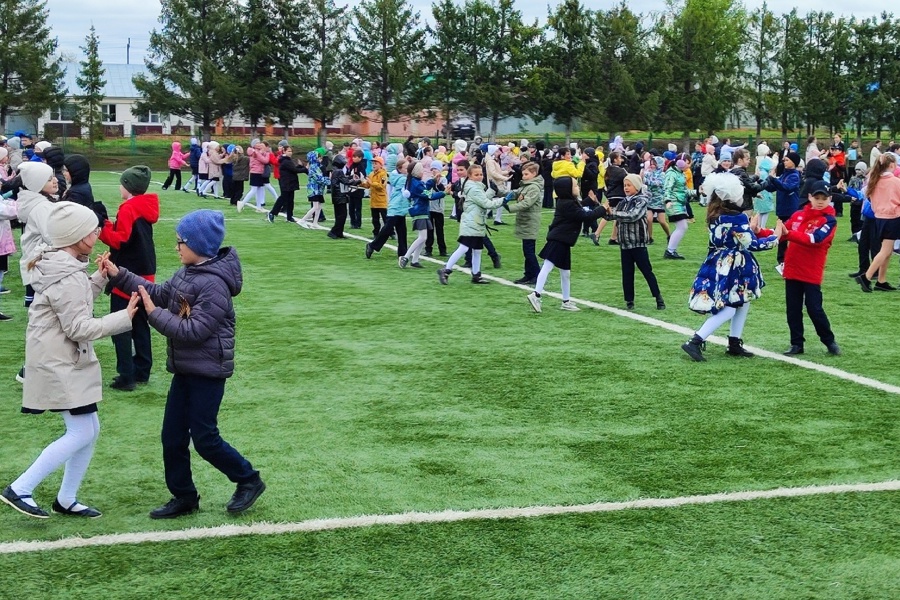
(730, 277)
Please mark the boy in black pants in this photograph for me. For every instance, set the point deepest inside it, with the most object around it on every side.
(810, 232)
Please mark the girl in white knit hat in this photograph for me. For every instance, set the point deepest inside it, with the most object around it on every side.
(62, 373)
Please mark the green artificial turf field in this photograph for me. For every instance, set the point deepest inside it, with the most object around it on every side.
(361, 388)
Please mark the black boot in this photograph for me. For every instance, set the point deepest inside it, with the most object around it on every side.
(694, 348)
(496, 260)
(736, 348)
(476, 278)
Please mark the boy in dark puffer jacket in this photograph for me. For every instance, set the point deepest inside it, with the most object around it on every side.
(130, 239)
(197, 316)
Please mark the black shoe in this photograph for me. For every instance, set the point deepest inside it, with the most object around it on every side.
(334, 236)
(595, 239)
(736, 348)
(416, 265)
(122, 384)
(427, 253)
(853, 239)
(794, 350)
(499, 223)
(87, 511)
(857, 274)
(444, 254)
(694, 348)
(477, 278)
(496, 260)
(443, 275)
(176, 507)
(5, 317)
(245, 495)
(833, 349)
(650, 242)
(629, 305)
(660, 305)
(884, 287)
(14, 500)
(521, 281)
(864, 283)
(672, 256)
(369, 250)
(467, 265)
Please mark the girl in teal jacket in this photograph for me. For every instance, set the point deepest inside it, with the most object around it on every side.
(676, 195)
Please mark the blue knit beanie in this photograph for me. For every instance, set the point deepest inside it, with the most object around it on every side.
(203, 231)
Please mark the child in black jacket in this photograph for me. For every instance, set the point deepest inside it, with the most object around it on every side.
(341, 186)
(289, 182)
(568, 219)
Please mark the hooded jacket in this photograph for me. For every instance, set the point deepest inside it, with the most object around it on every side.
(290, 174)
(61, 369)
(80, 191)
(569, 214)
(393, 155)
(675, 191)
(130, 237)
(33, 208)
(527, 208)
(177, 160)
(398, 205)
(810, 233)
(195, 312)
(216, 160)
(316, 181)
(786, 188)
(475, 208)
(195, 153)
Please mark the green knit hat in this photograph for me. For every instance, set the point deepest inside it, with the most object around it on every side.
(321, 151)
(136, 179)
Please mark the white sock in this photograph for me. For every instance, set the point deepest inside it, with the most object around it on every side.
(715, 321)
(738, 320)
(457, 254)
(476, 261)
(680, 230)
(565, 281)
(542, 277)
(76, 446)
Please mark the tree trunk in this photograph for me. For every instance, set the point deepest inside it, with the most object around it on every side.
(385, 132)
(321, 134)
(478, 122)
(495, 119)
(568, 132)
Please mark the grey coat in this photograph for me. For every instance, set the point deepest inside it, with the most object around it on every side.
(195, 312)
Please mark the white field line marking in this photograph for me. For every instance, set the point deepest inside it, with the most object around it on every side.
(715, 339)
(445, 516)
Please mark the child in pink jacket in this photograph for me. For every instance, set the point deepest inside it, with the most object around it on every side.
(176, 161)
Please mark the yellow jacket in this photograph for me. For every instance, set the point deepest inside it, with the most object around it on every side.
(566, 168)
(377, 184)
(601, 178)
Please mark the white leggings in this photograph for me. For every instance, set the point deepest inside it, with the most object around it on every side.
(269, 188)
(459, 253)
(737, 316)
(565, 280)
(74, 449)
(209, 186)
(193, 180)
(313, 214)
(258, 192)
(680, 230)
(412, 253)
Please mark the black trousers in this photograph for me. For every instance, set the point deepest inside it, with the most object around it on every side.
(134, 353)
(639, 257)
(532, 268)
(340, 219)
(192, 413)
(173, 174)
(855, 217)
(548, 192)
(392, 225)
(227, 182)
(379, 219)
(286, 202)
(869, 245)
(355, 208)
(237, 191)
(796, 294)
(782, 243)
(437, 219)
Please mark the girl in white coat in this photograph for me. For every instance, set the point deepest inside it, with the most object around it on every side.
(62, 371)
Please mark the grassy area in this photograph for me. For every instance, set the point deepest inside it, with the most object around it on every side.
(364, 389)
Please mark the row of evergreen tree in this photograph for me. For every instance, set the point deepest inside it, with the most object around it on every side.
(692, 65)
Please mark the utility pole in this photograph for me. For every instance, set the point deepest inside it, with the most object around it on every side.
(128, 52)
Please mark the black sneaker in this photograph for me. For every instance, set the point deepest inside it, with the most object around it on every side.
(833, 349)
(5, 317)
(478, 279)
(122, 384)
(467, 265)
(87, 511)
(864, 283)
(427, 253)
(794, 350)
(443, 275)
(855, 275)
(629, 305)
(245, 495)
(883, 287)
(416, 265)
(369, 250)
(17, 502)
(660, 305)
(176, 507)
(496, 260)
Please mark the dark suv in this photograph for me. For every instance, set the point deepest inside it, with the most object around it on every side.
(460, 128)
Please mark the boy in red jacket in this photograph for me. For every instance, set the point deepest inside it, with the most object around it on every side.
(130, 239)
(810, 232)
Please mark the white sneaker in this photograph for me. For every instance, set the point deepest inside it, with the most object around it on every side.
(780, 268)
(240, 205)
(569, 305)
(535, 301)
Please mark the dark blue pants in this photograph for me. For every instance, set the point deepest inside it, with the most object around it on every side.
(488, 247)
(796, 293)
(393, 224)
(192, 411)
(136, 366)
(532, 268)
(637, 257)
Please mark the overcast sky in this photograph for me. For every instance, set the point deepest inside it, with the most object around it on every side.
(70, 20)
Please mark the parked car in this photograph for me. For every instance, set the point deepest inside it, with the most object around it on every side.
(461, 128)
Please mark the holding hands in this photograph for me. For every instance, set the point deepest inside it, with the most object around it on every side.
(109, 269)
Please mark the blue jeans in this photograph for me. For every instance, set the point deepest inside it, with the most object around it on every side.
(192, 411)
